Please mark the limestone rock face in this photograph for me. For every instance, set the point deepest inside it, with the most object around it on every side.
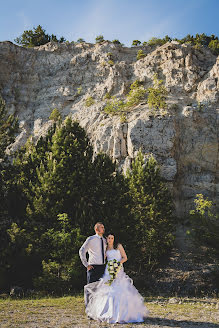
(183, 139)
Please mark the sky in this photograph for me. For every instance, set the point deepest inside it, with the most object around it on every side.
(125, 20)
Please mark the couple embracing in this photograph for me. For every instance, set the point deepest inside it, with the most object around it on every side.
(110, 295)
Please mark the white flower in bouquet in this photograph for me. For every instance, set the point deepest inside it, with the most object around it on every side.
(113, 269)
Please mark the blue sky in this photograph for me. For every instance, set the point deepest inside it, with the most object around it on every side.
(125, 20)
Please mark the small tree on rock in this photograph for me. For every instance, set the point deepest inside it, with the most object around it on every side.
(99, 38)
(36, 37)
(136, 43)
(157, 94)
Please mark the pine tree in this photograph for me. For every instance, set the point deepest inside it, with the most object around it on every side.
(61, 269)
(109, 196)
(59, 175)
(8, 130)
(136, 43)
(51, 177)
(151, 208)
(204, 226)
(99, 39)
(55, 173)
(36, 37)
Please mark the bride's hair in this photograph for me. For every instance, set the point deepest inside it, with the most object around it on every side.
(116, 241)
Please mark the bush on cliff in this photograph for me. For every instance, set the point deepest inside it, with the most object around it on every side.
(214, 46)
(136, 43)
(140, 54)
(99, 39)
(36, 37)
(135, 96)
(157, 94)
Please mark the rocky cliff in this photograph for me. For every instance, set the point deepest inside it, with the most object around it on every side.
(183, 139)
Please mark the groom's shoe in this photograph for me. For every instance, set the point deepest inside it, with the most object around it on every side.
(90, 318)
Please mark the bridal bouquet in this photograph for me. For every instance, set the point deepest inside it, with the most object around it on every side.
(113, 269)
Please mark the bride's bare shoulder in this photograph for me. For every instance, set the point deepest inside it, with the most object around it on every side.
(119, 246)
(122, 251)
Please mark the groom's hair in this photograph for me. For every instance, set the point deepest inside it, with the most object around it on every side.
(96, 225)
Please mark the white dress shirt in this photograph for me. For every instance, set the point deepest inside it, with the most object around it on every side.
(93, 246)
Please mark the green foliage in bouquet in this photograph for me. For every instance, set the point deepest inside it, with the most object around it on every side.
(113, 267)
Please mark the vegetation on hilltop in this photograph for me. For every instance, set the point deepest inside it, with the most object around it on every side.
(156, 98)
(38, 36)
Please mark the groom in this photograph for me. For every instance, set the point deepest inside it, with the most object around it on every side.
(96, 247)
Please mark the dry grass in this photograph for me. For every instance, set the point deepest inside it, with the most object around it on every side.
(65, 312)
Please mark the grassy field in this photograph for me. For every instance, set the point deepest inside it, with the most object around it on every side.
(69, 312)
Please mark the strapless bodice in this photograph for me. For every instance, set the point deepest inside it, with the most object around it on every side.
(113, 254)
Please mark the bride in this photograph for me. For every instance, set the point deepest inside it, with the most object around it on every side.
(120, 301)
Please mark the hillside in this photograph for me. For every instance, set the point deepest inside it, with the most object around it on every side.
(183, 139)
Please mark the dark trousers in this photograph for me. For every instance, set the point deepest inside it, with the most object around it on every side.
(93, 275)
(96, 273)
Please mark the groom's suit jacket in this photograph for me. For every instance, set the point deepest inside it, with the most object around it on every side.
(92, 245)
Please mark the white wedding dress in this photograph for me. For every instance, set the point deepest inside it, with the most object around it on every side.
(118, 303)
